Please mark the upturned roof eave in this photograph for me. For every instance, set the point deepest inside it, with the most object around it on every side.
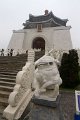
(50, 20)
(50, 13)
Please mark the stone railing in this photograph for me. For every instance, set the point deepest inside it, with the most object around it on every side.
(22, 93)
(23, 83)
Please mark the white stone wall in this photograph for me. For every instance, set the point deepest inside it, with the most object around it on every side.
(57, 37)
(16, 41)
(46, 34)
(62, 38)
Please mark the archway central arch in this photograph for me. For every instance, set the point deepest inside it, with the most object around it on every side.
(38, 43)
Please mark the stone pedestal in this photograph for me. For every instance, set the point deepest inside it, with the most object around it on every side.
(49, 102)
(45, 110)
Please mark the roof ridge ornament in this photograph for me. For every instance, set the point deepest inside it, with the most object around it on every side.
(46, 12)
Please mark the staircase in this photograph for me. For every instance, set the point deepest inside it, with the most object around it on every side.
(9, 67)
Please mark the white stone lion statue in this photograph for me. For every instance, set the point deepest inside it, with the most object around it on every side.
(46, 78)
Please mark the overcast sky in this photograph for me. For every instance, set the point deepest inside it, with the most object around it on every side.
(13, 13)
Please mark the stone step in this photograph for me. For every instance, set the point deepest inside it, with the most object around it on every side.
(3, 101)
(4, 94)
(8, 79)
(10, 84)
(10, 70)
(13, 58)
(8, 73)
(3, 104)
(6, 88)
(12, 62)
(7, 76)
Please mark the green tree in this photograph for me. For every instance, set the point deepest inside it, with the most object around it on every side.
(69, 69)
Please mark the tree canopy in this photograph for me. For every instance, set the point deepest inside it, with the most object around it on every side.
(69, 69)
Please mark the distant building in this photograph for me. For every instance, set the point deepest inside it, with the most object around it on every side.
(42, 32)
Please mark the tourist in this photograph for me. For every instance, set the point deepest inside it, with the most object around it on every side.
(8, 52)
(18, 52)
(11, 52)
(2, 52)
(26, 51)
